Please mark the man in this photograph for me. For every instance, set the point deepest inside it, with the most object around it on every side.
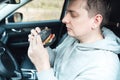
(89, 52)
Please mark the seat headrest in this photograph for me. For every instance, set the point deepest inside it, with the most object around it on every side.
(114, 19)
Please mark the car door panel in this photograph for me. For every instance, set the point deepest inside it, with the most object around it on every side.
(17, 40)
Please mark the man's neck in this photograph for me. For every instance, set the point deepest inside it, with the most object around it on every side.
(90, 38)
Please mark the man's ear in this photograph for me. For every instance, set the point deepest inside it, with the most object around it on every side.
(97, 21)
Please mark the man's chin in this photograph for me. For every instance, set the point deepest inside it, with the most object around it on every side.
(70, 34)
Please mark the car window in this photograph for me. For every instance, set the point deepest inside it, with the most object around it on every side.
(37, 10)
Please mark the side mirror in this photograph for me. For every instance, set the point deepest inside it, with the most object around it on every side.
(10, 1)
(16, 17)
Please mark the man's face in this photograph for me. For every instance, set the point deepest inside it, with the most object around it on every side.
(77, 21)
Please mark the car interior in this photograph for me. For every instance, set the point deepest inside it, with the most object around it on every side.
(15, 43)
(114, 20)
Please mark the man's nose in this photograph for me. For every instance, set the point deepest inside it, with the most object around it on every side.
(66, 19)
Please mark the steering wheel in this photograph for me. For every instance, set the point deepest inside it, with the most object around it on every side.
(8, 64)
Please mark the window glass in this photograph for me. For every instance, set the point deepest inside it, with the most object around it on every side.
(37, 10)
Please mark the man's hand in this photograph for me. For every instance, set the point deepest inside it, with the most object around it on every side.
(36, 51)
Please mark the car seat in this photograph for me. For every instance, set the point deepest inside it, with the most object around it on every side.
(114, 19)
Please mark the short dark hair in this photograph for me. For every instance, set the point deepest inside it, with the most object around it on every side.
(99, 7)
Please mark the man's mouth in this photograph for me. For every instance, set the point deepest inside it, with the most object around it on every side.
(68, 29)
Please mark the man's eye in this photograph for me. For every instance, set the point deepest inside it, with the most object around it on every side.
(73, 15)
